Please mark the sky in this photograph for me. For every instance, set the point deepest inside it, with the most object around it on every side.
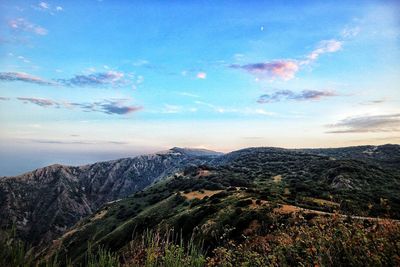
(83, 81)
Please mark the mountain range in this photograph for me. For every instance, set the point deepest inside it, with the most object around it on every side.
(205, 194)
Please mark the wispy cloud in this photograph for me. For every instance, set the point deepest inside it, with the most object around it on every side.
(349, 32)
(326, 46)
(23, 59)
(188, 94)
(368, 123)
(283, 95)
(23, 77)
(78, 142)
(43, 5)
(240, 111)
(4, 98)
(172, 108)
(374, 102)
(93, 79)
(140, 63)
(116, 107)
(21, 24)
(257, 111)
(112, 78)
(107, 106)
(42, 102)
(46, 7)
(286, 69)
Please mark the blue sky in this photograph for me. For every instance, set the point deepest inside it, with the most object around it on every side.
(83, 81)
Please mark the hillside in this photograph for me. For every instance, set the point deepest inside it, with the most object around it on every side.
(45, 202)
(254, 194)
(385, 156)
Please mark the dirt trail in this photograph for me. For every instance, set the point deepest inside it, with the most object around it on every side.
(286, 209)
(200, 194)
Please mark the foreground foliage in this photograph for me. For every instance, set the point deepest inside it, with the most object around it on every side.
(318, 241)
(154, 249)
(322, 242)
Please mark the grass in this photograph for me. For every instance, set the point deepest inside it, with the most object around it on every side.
(163, 249)
(14, 252)
(300, 241)
(102, 258)
(317, 242)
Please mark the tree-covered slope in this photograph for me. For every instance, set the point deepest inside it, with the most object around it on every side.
(248, 191)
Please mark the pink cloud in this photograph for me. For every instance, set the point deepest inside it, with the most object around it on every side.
(201, 75)
(286, 69)
(23, 77)
(283, 69)
(22, 24)
(39, 101)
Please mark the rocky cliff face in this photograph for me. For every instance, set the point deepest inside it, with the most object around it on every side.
(45, 202)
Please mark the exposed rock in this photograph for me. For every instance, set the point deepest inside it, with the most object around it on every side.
(45, 202)
(340, 182)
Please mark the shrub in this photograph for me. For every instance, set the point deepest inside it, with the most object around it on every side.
(243, 202)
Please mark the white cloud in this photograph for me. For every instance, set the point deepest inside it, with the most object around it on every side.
(44, 5)
(171, 108)
(188, 94)
(349, 32)
(201, 75)
(22, 24)
(240, 111)
(325, 46)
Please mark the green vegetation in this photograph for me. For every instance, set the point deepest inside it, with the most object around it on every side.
(301, 241)
(14, 252)
(158, 249)
(319, 242)
(256, 207)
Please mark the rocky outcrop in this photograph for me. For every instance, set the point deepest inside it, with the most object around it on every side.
(45, 202)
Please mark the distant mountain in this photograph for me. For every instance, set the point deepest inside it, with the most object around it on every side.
(45, 202)
(384, 155)
(247, 191)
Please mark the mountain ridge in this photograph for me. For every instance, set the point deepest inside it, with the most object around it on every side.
(45, 202)
(249, 188)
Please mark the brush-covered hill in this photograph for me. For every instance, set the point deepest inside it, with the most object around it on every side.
(265, 194)
(385, 155)
(45, 202)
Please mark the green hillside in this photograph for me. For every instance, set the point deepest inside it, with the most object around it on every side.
(256, 194)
